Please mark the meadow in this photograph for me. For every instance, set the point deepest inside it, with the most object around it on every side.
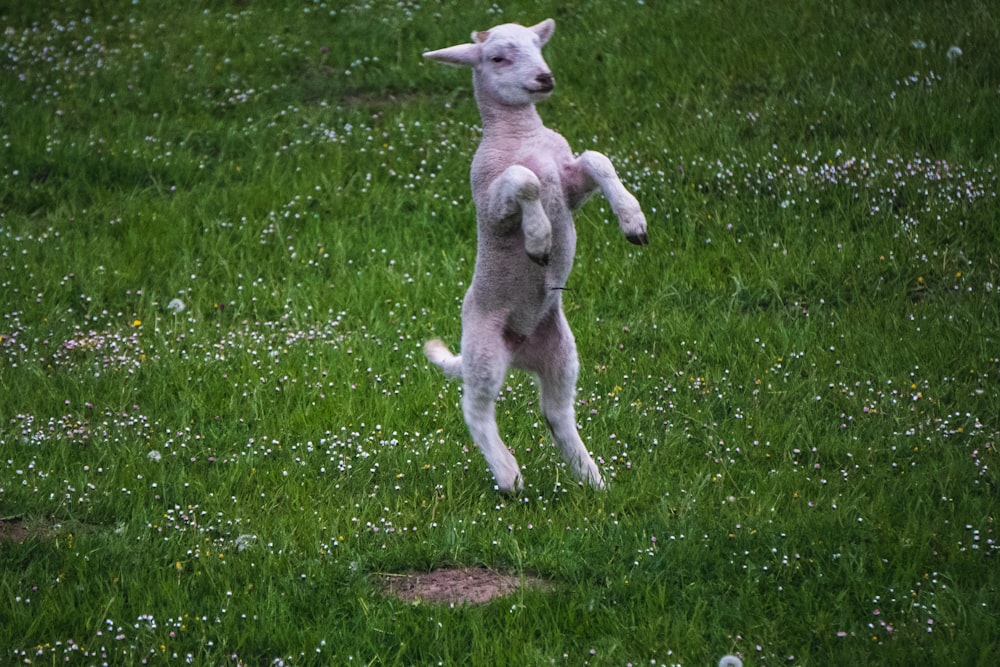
(227, 228)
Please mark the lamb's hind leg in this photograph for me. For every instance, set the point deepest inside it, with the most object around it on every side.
(558, 367)
(483, 373)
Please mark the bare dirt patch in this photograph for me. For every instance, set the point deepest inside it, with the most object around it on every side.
(469, 585)
(18, 530)
(13, 530)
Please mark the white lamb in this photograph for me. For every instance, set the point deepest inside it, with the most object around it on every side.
(525, 183)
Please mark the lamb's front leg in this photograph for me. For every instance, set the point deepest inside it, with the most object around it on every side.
(597, 172)
(518, 189)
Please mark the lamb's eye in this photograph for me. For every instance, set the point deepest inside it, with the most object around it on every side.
(498, 59)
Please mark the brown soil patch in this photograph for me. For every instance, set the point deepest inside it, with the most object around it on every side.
(470, 585)
(12, 530)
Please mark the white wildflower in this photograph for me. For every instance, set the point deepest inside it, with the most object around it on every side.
(245, 541)
(954, 53)
(176, 306)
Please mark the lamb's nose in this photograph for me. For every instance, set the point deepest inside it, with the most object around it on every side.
(545, 81)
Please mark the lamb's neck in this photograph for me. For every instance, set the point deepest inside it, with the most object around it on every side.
(507, 121)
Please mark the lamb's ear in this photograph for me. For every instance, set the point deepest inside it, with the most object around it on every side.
(544, 30)
(463, 55)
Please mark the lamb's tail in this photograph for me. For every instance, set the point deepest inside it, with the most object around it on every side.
(439, 355)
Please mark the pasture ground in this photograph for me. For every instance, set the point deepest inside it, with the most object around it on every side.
(227, 228)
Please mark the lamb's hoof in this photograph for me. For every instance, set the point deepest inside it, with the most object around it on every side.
(540, 260)
(595, 481)
(638, 239)
(511, 489)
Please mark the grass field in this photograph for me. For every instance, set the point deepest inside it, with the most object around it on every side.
(227, 228)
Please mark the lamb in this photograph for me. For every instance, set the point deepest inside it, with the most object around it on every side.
(525, 183)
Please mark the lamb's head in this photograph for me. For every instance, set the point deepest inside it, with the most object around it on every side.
(506, 61)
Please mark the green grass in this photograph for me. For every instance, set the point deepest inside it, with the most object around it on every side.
(793, 390)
